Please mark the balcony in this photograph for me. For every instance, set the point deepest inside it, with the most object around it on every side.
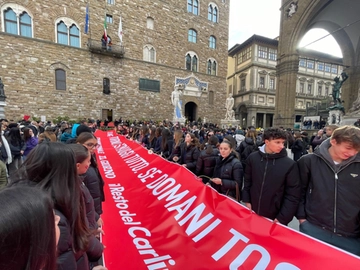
(95, 46)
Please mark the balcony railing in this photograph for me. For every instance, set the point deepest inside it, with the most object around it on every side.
(96, 46)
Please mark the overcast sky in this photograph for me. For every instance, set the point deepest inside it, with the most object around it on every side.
(262, 17)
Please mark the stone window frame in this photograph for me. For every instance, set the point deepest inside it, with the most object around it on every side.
(109, 18)
(320, 66)
(262, 52)
(58, 81)
(106, 86)
(272, 83)
(193, 7)
(211, 66)
(213, 12)
(302, 88)
(18, 10)
(334, 69)
(309, 88)
(302, 62)
(212, 42)
(272, 54)
(149, 53)
(194, 59)
(192, 35)
(150, 23)
(310, 64)
(68, 23)
(262, 81)
(110, 2)
(211, 97)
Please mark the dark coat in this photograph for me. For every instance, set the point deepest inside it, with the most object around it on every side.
(206, 162)
(67, 259)
(298, 148)
(272, 185)
(330, 195)
(189, 156)
(230, 171)
(95, 184)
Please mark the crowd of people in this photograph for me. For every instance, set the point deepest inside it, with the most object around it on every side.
(319, 185)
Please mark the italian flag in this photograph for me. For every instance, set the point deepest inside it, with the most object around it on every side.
(105, 26)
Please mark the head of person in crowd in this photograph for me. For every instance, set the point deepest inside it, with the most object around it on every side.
(274, 139)
(191, 139)
(225, 148)
(28, 133)
(345, 142)
(330, 129)
(82, 128)
(88, 140)
(297, 135)
(28, 229)
(212, 141)
(231, 139)
(178, 137)
(82, 157)
(51, 166)
(14, 135)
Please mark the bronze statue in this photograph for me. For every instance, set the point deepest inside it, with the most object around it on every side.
(336, 87)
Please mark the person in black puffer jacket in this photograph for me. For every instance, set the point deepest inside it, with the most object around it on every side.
(249, 145)
(189, 152)
(207, 159)
(228, 171)
(272, 183)
(93, 179)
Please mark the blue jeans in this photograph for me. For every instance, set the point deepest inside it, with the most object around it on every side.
(350, 244)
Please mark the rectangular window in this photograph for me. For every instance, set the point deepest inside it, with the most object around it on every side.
(310, 64)
(319, 90)
(244, 55)
(326, 91)
(327, 68)
(272, 83)
(272, 54)
(149, 85)
(111, 2)
(334, 69)
(302, 88)
(262, 52)
(243, 85)
(302, 62)
(320, 66)
(262, 82)
(109, 18)
(309, 88)
(60, 79)
(106, 86)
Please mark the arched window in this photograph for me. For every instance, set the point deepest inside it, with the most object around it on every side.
(60, 79)
(25, 25)
(17, 25)
(106, 86)
(149, 53)
(192, 35)
(213, 12)
(67, 32)
(74, 36)
(193, 6)
(62, 36)
(212, 42)
(191, 61)
(211, 67)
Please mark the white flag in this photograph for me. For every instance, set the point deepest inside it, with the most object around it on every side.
(120, 32)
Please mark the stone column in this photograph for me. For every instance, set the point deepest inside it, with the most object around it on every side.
(264, 121)
(287, 69)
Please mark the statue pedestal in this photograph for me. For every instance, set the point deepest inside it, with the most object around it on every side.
(335, 117)
(179, 120)
(225, 123)
(2, 109)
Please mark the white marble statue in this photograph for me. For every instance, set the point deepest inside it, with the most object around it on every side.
(230, 114)
(175, 100)
(292, 9)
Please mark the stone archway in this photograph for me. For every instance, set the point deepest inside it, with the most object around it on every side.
(329, 15)
(191, 111)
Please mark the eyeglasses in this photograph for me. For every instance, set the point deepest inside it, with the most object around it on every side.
(91, 145)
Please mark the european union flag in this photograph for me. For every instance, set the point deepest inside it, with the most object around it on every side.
(86, 29)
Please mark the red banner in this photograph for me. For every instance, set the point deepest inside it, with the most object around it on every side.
(158, 215)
